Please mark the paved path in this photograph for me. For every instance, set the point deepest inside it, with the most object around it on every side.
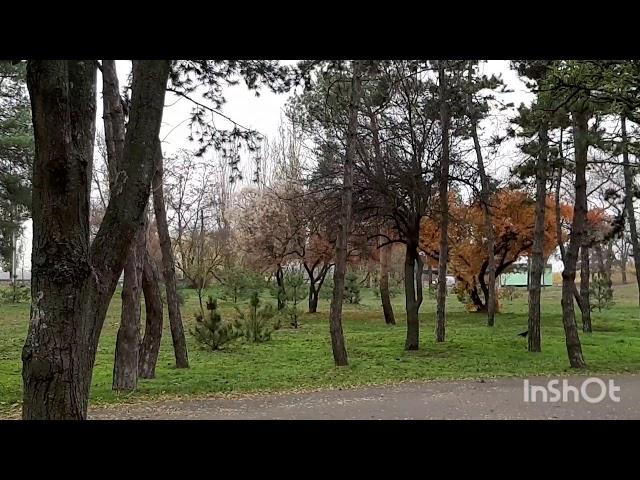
(489, 399)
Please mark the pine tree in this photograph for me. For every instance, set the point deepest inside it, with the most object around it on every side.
(211, 330)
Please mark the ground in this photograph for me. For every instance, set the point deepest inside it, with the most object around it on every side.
(300, 360)
(492, 399)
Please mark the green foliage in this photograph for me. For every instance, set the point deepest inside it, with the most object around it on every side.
(15, 294)
(16, 157)
(255, 323)
(326, 292)
(601, 294)
(211, 330)
(352, 288)
(239, 283)
(294, 292)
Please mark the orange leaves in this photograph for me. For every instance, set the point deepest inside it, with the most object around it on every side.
(513, 218)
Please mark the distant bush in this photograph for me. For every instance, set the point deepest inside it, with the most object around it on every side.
(509, 292)
(351, 288)
(15, 294)
(601, 294)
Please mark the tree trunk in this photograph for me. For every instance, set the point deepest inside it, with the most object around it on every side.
(335, 315)
(125, 365)
(385, 296)
(628, 201)
(443, 189)
(313, 298)
(72, 281)
(413, 325)
(168, 264)
(574, 348)
(485, 196)
(585, 271)
(281, 292)
(150, 346)
(537, 257)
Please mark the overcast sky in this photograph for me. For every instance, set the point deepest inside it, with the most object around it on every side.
(263, 114)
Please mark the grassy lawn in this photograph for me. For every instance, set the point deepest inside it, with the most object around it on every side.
(301, 359)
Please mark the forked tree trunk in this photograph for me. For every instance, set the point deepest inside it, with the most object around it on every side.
(574, 348)
(150, 346)
(385, 296)
(537, 254)
(73, 281)
(443, 192)
(168, 264)
(335, 315)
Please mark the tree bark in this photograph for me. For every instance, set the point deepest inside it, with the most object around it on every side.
(125, 365)
(585, 272)
(168, 264)
(443, 189)
(537, 257)
(385, 296)
(628, 201)
(72, 281)
(412, 341)
(150, 346)
(574, 348)
(281, 290)
(488, 224)
(335, 315)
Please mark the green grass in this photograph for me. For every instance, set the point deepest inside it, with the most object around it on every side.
(302, 360)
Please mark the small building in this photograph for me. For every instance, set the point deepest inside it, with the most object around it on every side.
(517, 275)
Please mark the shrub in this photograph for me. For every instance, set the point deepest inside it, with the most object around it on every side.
(15, 294)
(601, 294)
(255, 323)
(294, 292)
(509, 292)
(351, 288)
(211, 330)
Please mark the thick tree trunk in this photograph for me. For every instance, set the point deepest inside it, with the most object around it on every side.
(585, 272)
(125, 365)
(443, 190)
(385, 296)
(168, 264)
(63, 108)
(150, 346)
(537, 254)
(335, 315)
(628, 201)
(411, 302)
(72, 281)
(574, 348)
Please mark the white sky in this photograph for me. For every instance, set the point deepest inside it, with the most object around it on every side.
(263, 114)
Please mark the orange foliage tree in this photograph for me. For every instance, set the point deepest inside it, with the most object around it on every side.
(513, 216)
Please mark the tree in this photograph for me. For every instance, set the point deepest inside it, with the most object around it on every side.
(16, 160)
(630, 189)
(443, 196)
(513, 220)
(73, 280)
